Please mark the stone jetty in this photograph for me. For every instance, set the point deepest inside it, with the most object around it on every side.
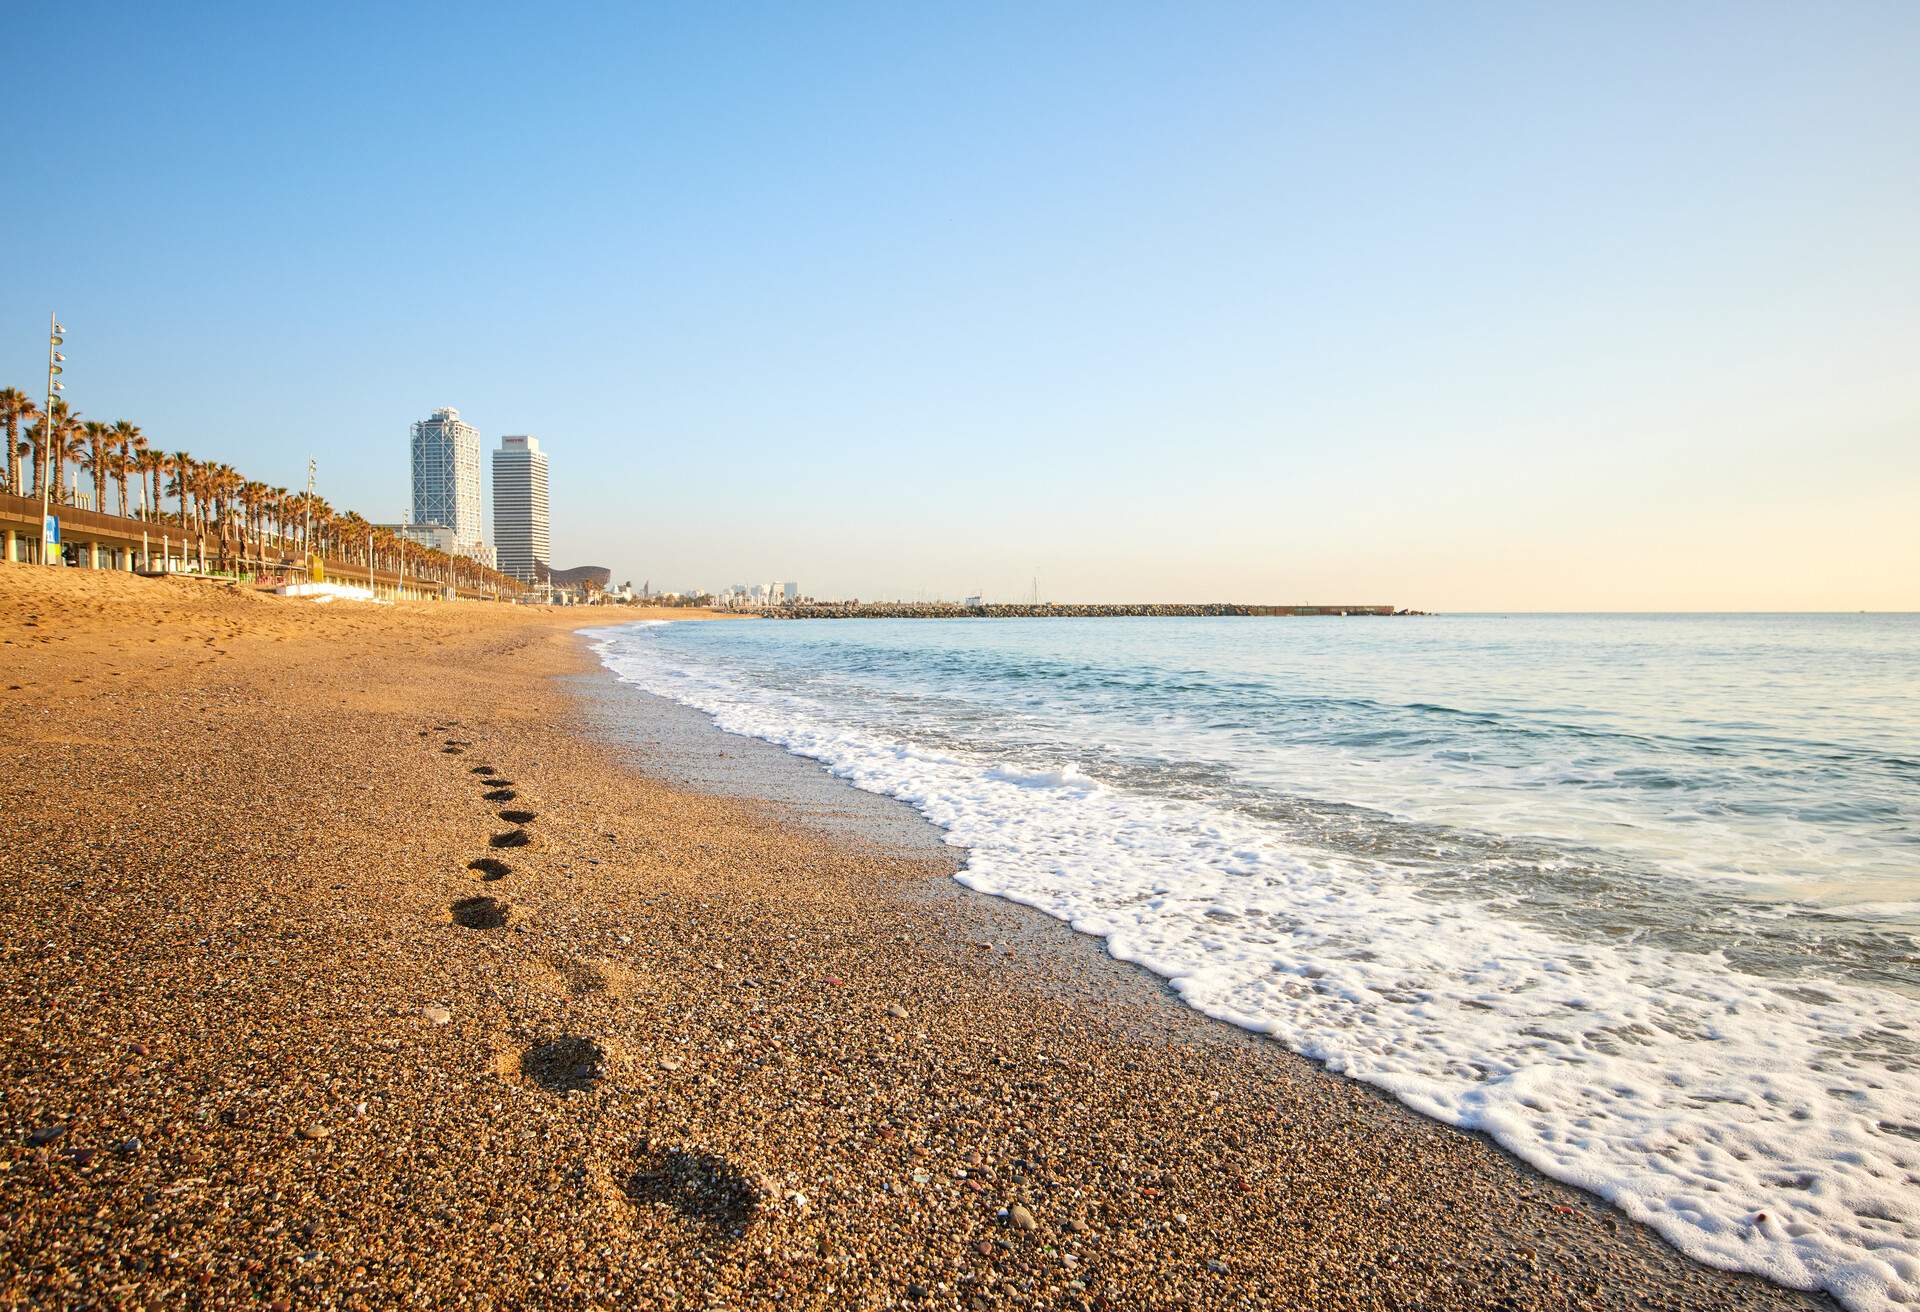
(948, 610)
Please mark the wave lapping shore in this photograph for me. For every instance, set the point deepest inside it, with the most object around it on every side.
(1686, 983)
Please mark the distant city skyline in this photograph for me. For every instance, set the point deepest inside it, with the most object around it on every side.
(1457, 308)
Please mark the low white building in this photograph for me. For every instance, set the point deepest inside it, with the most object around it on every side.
(433, 536)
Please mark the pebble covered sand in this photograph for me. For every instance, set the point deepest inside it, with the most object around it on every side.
(344, 965)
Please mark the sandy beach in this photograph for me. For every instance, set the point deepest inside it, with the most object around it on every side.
(370, 956)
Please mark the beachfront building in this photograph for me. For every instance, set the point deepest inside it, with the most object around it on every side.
(438, 537)
(521, 527)
(446, 480)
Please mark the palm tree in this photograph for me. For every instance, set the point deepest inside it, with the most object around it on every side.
(151, 465)
(248, 495)
(35, 445)
(95, 457)
(258, 500)
(202, 496)
(164, 475)
(227, 483)
(48, 440)
(69, 443)
(119, 466)
(132, 443)
(180, 467)
(322, 526)
(213, 502)
(351, 532)
(16, 408)
(385, 544)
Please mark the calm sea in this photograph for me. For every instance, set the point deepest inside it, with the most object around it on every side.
(1637, 896)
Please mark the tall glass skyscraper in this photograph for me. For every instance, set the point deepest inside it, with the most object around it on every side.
(446, 479)
(520, 521)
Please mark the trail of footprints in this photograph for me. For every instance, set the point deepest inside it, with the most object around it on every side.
(563, 1064)
(487, 912)
(702, 1187)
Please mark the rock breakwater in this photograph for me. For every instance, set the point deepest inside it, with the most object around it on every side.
(947, 610)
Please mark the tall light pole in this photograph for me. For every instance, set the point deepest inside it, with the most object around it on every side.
(306, 534)
(54, 386)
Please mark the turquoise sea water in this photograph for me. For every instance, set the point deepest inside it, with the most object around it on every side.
(1640, 896)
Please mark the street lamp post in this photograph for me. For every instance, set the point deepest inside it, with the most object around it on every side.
(306, 533)
(54, 386)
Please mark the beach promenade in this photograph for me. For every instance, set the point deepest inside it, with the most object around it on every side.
(350, 962)
(102, 541)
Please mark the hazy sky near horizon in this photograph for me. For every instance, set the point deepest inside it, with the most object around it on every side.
(1452, 306)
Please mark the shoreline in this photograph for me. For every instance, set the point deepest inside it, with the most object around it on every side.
(261, 1045)
(1074, 965)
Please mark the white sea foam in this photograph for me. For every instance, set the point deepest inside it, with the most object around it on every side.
(1756, 1124)
(1066, 776)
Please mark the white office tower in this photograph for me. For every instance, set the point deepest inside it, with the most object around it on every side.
(446, 479)
(790, 591)
(521, 528)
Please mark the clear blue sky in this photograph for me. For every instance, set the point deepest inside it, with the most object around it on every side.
(1447, 305)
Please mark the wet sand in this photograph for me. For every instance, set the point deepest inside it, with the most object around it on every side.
(302, 1009)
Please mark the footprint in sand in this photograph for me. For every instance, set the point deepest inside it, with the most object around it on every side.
(700, 1186)
(588, 979)
(512, 838)
(483, 769)
(500, 795)
(566, 1064)
(451, 750)
(517, 817)
(489, 868)
(479, 912)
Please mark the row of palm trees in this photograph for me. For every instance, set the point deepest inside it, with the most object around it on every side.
(215, 505)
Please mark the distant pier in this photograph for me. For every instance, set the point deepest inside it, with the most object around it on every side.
(947, 610)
